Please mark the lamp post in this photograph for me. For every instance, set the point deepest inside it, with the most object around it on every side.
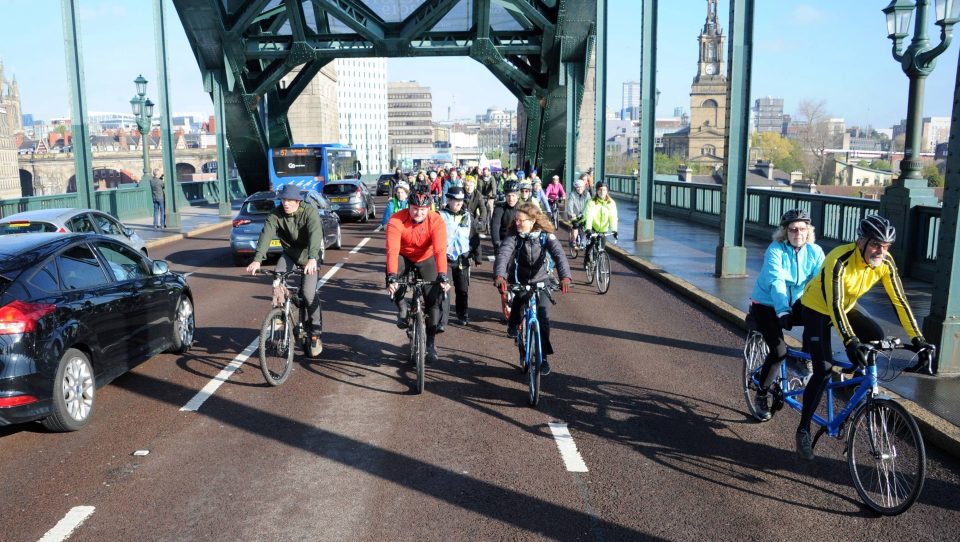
(910, 189)
(142, 112)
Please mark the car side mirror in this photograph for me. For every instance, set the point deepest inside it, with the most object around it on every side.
(127, 231)
(159, 267)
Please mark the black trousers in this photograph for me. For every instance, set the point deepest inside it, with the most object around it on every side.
(427, 270)
(816, 338)
(517, 309)
(768, 324)
(460, 274)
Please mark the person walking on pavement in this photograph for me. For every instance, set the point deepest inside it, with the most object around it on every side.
(159, 209)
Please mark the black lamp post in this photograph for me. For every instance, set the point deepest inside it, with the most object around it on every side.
(142, 112)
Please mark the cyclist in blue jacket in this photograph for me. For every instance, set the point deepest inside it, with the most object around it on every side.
(792, 260)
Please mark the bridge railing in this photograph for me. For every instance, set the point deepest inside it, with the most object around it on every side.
(835, 217)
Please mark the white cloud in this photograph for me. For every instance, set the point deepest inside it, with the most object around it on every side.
(805, 15)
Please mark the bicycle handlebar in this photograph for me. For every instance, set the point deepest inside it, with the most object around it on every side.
(281, 274)
(537, 288)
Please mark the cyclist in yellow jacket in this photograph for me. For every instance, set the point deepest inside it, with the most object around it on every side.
(830, 300)
(599, 215)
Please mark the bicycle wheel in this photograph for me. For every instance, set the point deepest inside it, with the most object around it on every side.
(754, 353)
(589, 267)
(603, 273)
(419, 345)
(574, 245)
(276, 347)
(522, 347)
(533, 374)
(886, 456)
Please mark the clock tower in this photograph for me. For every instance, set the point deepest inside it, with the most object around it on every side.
(708, 95)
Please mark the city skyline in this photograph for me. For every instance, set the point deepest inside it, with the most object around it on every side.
(863, 85)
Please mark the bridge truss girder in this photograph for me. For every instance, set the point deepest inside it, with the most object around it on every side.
(248, 46)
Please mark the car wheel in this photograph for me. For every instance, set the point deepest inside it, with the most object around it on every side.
(184, 326)
(338, 244)
(365, 216)
(74, 392)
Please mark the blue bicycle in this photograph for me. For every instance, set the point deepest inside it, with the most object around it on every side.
(528, 336)
(884, 449)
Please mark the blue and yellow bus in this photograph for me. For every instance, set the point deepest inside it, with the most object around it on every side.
(310, 166)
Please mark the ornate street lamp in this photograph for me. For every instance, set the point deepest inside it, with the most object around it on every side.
(142, 109)
(917, 62)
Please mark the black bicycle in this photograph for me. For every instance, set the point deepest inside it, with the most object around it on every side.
(579, 242)
(282, 327)
(597, 262)
(417, 325)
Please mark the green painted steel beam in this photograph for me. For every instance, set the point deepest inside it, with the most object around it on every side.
(527, 14)
(601, 90)
(481, 18)
(82, 154)
(171, 187)
(357, 16)
(731, 254)
(644, 226)
(425, 17)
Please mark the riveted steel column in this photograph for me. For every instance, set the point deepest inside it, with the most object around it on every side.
(600, 138)
(82, 155)
(942, 326)
(570, 152)
(731, 254)
(643, 227)
(172, 186)
(212, 86)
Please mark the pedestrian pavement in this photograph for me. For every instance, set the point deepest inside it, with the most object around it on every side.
(687, 251)
(194, 220)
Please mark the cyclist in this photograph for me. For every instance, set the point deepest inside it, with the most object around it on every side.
(789, 264)
(575, 204)
(401, 190)
(487, 186)
(540, 196)
(848, 272)
(436, 185)
(474, 204)
(299, 230)
(599, 215)
(504, 214)
(463, 245)
(555, 191)
(523, 257)
(526, 193)
(417, 239)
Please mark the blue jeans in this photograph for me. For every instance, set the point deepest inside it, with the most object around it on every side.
(159, 214)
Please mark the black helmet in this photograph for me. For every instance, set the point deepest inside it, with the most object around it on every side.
(794, 215)
(875, 227)
(419, 197)
(511, 186)
(600, 184)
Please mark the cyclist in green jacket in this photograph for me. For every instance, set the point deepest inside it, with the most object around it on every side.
(300, 232)
(599, 215)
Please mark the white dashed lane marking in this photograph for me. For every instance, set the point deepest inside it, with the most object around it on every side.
(69, 523)
(568, 449)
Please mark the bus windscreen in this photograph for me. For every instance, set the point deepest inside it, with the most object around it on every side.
(341, 164)
(297, 162)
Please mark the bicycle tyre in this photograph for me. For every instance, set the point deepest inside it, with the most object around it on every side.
(603, 273)
(522, 347)
(886, 456)
(589, 267)
(533, 374)
(754, 353)
(276, 347)
(420, 349)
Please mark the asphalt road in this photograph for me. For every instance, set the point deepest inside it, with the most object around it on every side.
(646, 384)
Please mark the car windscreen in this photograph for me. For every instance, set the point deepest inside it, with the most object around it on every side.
(26, 226)
(259, 206)
(339, 189)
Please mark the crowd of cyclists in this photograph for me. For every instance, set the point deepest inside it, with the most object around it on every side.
(434, 220)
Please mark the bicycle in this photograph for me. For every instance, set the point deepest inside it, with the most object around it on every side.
(417, 326)
(528, 336)
(578, 243)
(884, 449)
(597, 262)
(555, 206)
(281, 328)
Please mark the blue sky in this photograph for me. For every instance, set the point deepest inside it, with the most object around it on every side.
(814, 49)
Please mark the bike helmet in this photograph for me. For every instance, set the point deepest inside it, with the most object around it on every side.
(794, 215)
(511, 186)
(521, 174)
(600, 184)
(403, 185)
(579, 183)
(420, 198)
(525, 185)
(875, 227)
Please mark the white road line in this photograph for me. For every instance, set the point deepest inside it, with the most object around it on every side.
(568, 448)
(69, 523)
(362, 242)
(194, 404)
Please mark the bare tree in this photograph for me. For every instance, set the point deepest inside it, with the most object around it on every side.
(814, 134)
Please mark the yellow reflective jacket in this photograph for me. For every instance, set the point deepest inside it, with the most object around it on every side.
(599, 215)
(844, 278)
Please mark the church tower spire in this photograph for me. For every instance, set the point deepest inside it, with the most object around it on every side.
(711, 63)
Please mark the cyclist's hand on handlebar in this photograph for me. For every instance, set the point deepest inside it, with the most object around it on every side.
(500, 283)
(857, 353)
(615, 237)
(253, 268)
(565, 285)
(392, 283)
(311, 267)
(920, 344)
(785, 322)
(444, 282)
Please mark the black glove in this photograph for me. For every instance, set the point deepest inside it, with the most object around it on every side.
(442, 277)
(391, 278)
(925, 355)
(615, 237)
(920, 344)
(857, 353)
(785, 322)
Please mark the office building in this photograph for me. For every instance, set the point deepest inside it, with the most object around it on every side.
(362, 108)
(409, 116)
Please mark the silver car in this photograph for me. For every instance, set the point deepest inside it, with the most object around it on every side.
(72, 220)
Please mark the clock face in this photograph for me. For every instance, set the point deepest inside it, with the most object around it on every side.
(711, 69)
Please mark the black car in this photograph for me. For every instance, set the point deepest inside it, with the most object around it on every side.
(385, 184)
(253, 213)
(351, 199)
(77, 311)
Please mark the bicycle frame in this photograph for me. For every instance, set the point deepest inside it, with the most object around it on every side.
(529, 321)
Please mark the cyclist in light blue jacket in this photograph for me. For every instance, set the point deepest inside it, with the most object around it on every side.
(790, 263)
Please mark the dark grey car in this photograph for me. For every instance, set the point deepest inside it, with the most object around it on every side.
(253, 212)
(351, 199)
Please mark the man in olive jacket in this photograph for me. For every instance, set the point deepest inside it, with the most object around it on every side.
(300, 232)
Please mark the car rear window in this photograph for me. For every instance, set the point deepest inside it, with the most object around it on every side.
(339, 189)
(26, 226)
(259, 206)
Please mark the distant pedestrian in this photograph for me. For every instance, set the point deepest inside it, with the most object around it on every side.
(159, 209)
